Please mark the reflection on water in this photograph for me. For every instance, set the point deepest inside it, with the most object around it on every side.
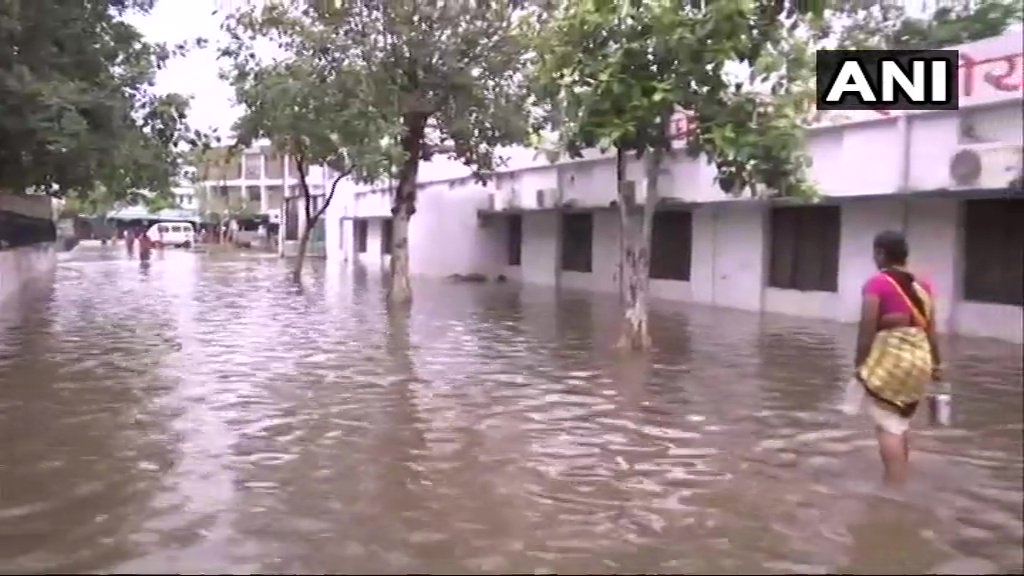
(203, 414)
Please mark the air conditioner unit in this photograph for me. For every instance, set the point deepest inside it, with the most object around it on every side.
(988, 165)
(548, 198)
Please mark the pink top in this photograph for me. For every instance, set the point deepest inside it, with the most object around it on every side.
(890, 300)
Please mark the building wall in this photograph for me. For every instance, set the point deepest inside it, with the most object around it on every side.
(730, 259)
(437, 243)
(33, 206)
(20, 265)
(540, 252)
(445, 235)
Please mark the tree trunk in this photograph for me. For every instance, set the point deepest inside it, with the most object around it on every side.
(636, 250)
(301, 258)
(307, 207)
(400, 290)
(312, 219)
(404, 206)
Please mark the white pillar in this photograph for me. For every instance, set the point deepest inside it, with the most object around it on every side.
(283, 226)
(264, 195)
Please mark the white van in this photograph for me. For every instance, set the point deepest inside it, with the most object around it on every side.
(177, 234)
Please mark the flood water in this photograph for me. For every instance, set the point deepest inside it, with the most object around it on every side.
(204, 414)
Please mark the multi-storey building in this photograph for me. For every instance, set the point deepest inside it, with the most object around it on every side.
(950, 180)
(255, 180)
(259, 181)
(185, 198)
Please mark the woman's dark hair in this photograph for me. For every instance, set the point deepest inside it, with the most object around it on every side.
(893, 246)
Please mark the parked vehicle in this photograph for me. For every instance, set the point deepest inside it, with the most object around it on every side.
(177, 234)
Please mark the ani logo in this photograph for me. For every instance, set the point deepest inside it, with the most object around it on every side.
(890, 79)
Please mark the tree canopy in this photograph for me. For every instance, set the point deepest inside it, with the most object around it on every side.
(455, 70)
(888, 25)
(78, 106)
(614, 72)
(304, 105)
(386, 85)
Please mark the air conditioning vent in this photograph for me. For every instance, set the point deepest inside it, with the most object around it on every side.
(548, 198)
(987, 166)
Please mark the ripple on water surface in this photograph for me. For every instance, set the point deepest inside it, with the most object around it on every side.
(204, 414)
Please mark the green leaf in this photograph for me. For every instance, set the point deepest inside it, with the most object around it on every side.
(80, 114)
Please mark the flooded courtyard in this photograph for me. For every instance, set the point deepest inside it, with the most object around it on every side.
(205, 414)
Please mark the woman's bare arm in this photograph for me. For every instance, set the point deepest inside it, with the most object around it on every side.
(867, 328)
(933, 341)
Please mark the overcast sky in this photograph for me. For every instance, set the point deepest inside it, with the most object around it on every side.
(196, 74)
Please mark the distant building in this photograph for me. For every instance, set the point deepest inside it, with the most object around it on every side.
(259, 182)
(185, 198)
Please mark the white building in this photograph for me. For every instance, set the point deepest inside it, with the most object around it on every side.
(266, 183)
(185, 198)
(945, 178)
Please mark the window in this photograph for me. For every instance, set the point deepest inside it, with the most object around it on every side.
(253, 169)
(253, 193)
(805, 248)
(515, 240)
(223, 191)
(274, 167)
(360, 230)
(671, 241)
(386, 229)
(994, 251)
(577, 242)
(291, 220)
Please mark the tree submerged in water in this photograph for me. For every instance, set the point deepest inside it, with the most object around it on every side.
(305, 104)
(420, 78)
(614, 74)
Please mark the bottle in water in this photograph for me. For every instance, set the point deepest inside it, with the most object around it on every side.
(940, 404)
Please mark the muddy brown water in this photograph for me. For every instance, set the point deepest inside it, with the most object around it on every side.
(203, 414)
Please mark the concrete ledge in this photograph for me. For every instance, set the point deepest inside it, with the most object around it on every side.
(20, 265)
(34, 206)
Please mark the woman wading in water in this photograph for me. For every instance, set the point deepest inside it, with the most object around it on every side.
(897, 354)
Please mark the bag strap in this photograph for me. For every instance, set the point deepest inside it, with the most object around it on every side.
(920, 318)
